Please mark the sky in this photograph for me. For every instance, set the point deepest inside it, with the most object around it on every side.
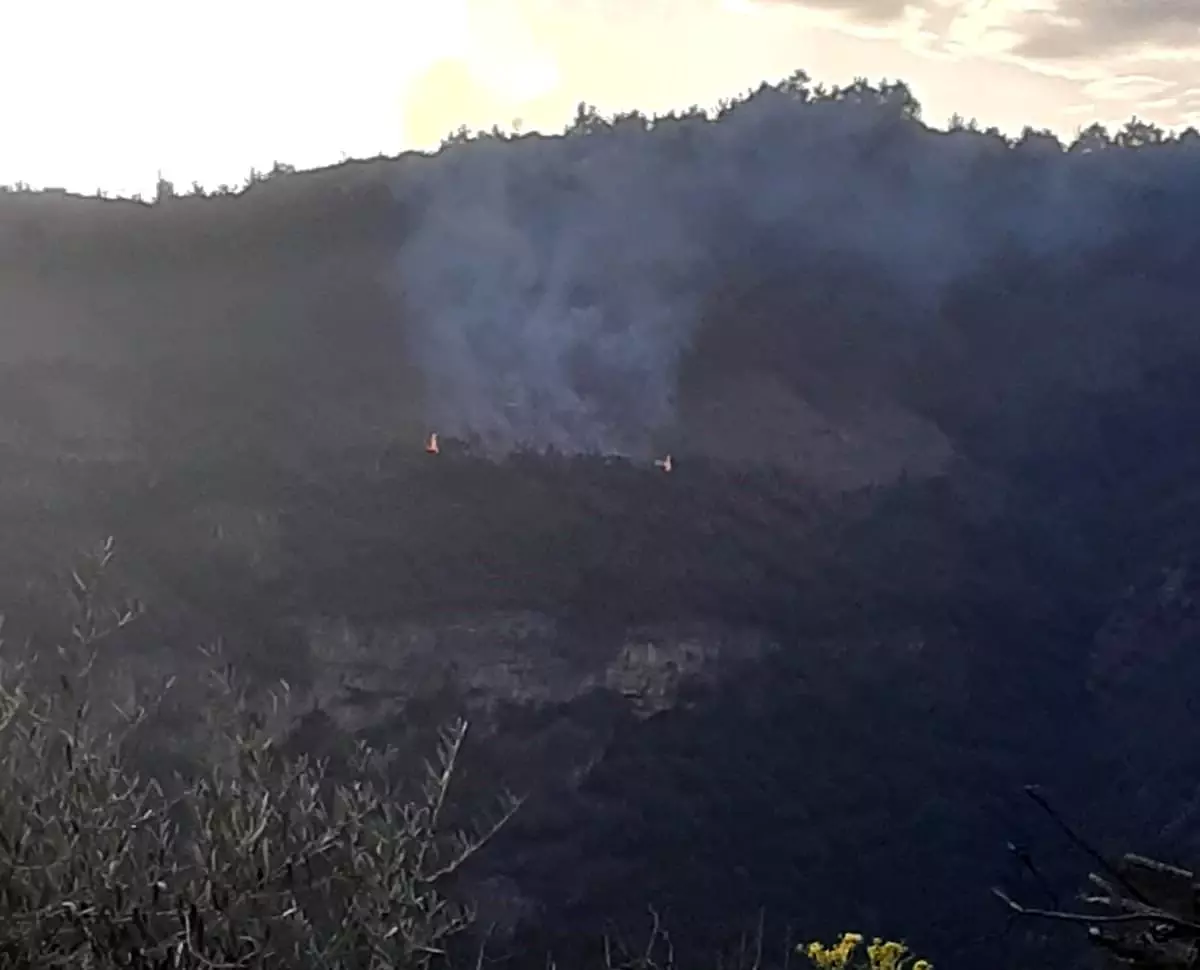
(106, 95)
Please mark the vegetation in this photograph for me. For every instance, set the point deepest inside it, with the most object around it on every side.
(250, 858)
(230, 385)
(879, 955)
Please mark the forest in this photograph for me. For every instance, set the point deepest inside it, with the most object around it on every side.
(928, 536)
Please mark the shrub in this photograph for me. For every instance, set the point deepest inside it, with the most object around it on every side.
(878, 955)
(251, 859)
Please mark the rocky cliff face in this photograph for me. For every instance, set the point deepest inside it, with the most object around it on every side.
(758, 419)
(638, 747)
(523, 659)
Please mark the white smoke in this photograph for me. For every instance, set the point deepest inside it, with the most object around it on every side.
(551, 285)
(551, 300)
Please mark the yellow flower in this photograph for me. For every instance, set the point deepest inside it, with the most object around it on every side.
(821, 957)
(881, 955)
(886, 956)
(836, 957)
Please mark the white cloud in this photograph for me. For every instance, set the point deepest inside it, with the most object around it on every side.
(1129, 87)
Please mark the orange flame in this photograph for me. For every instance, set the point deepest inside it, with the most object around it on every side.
(431, 446)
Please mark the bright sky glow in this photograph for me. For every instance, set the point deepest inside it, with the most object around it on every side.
(107, 94)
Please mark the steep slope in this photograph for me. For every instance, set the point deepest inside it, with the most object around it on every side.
(930, 402)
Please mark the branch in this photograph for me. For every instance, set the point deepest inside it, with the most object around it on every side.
(1149, 916)
(1040, 800)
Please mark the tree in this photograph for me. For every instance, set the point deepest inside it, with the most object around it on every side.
(1040, 141)
(1094, 138)
(1139, 134)
(587, 120)
(164, 190)
(796, 84)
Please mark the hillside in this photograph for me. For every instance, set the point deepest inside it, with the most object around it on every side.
(931, 400)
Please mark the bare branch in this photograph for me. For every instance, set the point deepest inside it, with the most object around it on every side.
(1149, 916)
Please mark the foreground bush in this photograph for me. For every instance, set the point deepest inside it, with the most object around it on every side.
(846, 954)
(253, 859)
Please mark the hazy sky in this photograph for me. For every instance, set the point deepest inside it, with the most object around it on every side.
(105, 94)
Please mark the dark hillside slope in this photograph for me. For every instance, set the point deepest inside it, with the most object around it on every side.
(932, 401)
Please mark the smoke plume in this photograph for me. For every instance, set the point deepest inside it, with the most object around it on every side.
(553, 285)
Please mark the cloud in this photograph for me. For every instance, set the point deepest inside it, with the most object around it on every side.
(1050, 30)
(1127, 87)
(1158, 104)
(945, 21)
(1124, 56)
(869, 12)
(1083, 29)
